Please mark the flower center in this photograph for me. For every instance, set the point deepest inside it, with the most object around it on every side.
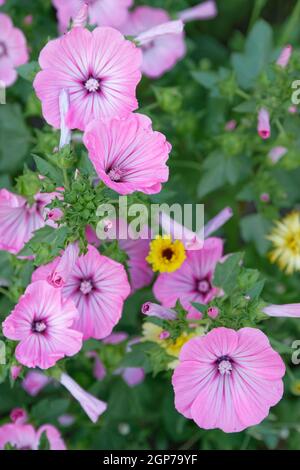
(204, 286)
(39, 326)
(168, 254)
(115, 174)
(86, 287)
(225, 366)
(293, 243)
(92, 85)
(3, 50)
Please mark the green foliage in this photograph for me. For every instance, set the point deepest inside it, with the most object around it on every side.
(257, 54)
(14, 138)
(46, 244)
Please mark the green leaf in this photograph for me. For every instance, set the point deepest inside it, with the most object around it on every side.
(46, 168)
(256, 290)
(29, 71)
(254, 228)
(220, 169)
(200, 307)
(226, 273)
(46, 244)
(6, 269)
(257, 54)
(208, 79)
(245, 107)
(156, 321)
(44, 443)
(49, 410)
(14, 138)
(215, 175)
(137, 357)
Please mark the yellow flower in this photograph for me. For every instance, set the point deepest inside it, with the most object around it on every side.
(153, 333)
(174, 347)
(295, 388)
(285, 237)
(166, 256)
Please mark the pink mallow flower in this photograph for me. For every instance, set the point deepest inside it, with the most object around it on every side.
(28, 20)
(34, 382)
(137, 250)
(25, 437)
(263, 126)
(190, 239)
(276, 153)
(101, 12)
(161, 30)
(19, 219)
(285, 310)
(97, 285)
(285, 56)
(163, 52)
(81, 18)
(230, 125)
(133, 376)
(218, 221)
(100, 70)
(90, 404)
(99, 371)
(204, 11)
(18, 415)
(13, 50)
(192, 282)
(151, 309)
(115, 338)
(128, 155)
(15, 371)
(140, 272)
(213, 312)
(228, 379)
(43, 325)
(64, 267)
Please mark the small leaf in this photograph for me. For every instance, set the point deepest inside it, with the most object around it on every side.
(46, 168)
(254, 228)
(46, 244)
(207, 79)
(200, 307)
(226, 273)
(29, 71)
(256, 290)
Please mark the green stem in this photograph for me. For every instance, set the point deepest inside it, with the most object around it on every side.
(66, 179)
(242, 94)
(258, 6)
(246, 442)
(6, 293)
(3, 291)
(280, 127)
(291, 24)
